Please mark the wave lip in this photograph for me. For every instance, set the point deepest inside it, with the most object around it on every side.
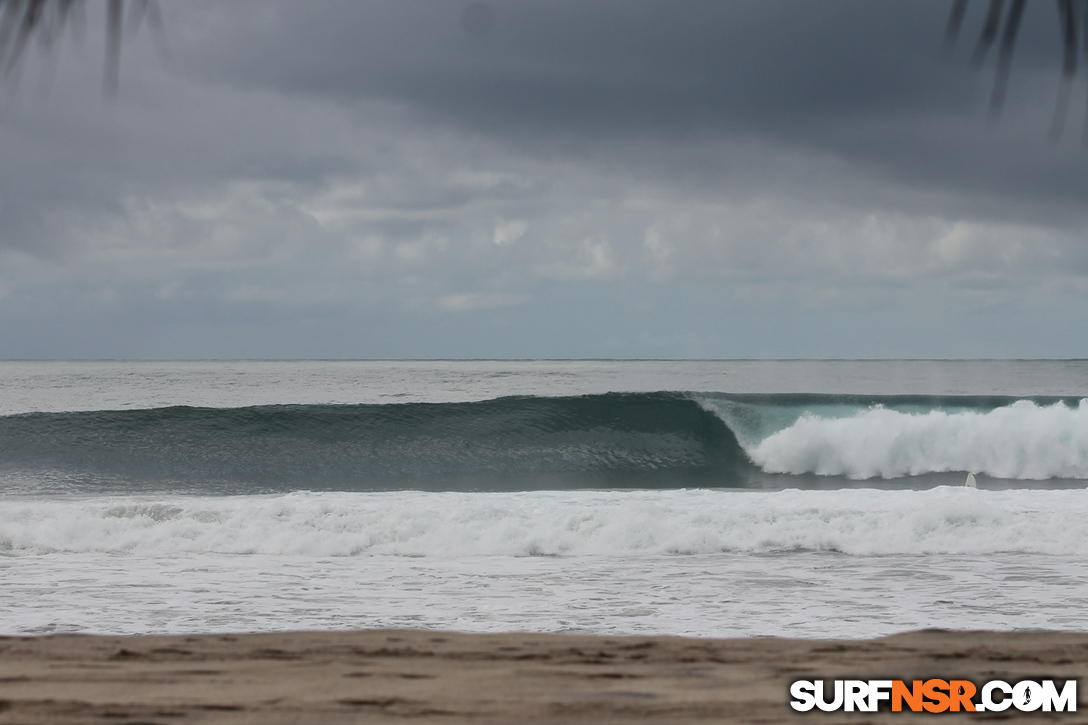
(1024, 441)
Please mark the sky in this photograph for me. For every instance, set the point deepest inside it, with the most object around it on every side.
(543, 179)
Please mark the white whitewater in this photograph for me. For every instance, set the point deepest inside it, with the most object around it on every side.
(834, 563)
(866, 522)
(849, 563)
(1021, 441)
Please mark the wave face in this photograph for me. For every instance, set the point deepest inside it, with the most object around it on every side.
(643, 440)
(613, 440)
(942, 520)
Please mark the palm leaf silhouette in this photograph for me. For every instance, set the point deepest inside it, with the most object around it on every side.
(22, 21)
(997, 23)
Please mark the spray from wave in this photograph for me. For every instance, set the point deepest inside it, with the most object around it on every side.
(1023, 441)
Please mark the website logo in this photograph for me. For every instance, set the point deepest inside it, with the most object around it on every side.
(933, 695)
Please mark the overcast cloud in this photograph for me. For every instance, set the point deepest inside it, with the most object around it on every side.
(531, 178)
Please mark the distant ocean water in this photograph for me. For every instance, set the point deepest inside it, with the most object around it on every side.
(727, 498)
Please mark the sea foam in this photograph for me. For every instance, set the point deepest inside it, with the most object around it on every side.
(865, 522)
(1023, 440)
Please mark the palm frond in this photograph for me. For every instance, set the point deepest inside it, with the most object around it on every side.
(45, 21)
(1007, 25)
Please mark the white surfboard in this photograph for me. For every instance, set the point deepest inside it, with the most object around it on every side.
(971, 481)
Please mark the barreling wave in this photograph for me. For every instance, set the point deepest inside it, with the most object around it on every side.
(646, 440)
(942, 520)
(516, 443)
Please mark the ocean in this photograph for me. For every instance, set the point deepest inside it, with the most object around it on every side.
(702, 498)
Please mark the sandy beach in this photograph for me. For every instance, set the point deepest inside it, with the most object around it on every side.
(395, 676)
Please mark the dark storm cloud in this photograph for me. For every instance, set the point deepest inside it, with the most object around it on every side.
(606, 66)
(447, 177)
(862, 81)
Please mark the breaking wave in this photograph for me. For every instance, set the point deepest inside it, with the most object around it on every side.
(645, 440)
(1020, 441)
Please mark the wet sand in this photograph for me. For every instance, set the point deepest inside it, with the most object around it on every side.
(435, 677)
